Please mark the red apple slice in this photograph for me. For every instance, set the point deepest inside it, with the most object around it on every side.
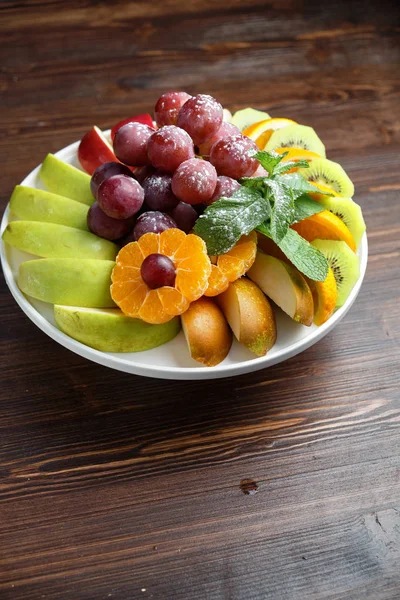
(146, 119)
(94, 150)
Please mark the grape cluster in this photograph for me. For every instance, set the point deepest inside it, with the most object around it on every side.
(167, 176)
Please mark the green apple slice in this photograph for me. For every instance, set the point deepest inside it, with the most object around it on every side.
(31, 204)
(68, 281)
(66, 180)
(57, 241)
(111, 331)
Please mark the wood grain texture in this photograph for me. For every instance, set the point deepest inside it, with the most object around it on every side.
(115, 486)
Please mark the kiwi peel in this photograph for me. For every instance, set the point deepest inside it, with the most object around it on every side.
(348, 211)
(296, 136)
(344, 264)
(330, 174)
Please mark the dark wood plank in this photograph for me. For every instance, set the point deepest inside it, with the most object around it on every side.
(115, 486)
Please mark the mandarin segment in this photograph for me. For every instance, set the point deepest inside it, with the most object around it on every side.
(152, 310)
(217, 282)
(173, 301)
(192, 277)
(325, 297)
(193, 245)
(129, 296)
(125, 273)
(170, 241)
(130, 255)
(149, 243)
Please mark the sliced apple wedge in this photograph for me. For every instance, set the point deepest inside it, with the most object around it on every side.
(69, 281)
(51, 240)
(285, 286)
(109, 330)
(206, 331)
(249, 315)
(94, 150)
(61, 178)
(31, 204)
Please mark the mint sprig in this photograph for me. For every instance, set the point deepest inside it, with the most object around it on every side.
(269, 204)
(227, 219)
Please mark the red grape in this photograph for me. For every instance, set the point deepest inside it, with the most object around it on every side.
(105, 171)
(168, 147)
(225, 188)
(158, 271)
(185, 216)
(130, 143)
(144, 118)
(120, 196)
(225, 130)
(168, 107)
(158, 194)
(143, 172)
(152, 221)
(194, 181)
(105, 226)
(201, 116)
(231, 156)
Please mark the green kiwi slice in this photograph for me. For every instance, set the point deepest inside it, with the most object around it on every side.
(347, 210)
(247, 116)
(331, 174)
(344, 264)
(296, 136)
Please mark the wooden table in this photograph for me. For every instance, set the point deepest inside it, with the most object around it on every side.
(116, 486)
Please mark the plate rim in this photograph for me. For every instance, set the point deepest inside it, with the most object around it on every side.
(169, 372)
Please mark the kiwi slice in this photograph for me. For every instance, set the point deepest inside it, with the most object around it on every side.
(348, 211)
(344, 264)
(331, 174)
(247, 116)
(296, 136)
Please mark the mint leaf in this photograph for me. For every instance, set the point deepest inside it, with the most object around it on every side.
(310, 261)
(299, 185)
(282, 209)
(304, 207)
(222, 223)
(265, 229)
(284, 167)
(269, 160)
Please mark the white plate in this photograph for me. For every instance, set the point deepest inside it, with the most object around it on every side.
(172, 360)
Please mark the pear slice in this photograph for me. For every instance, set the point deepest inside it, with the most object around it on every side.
(285, 286)
(109, 330)
(57, 241)
(69, 281)
(66, 180)
(249, 315)
(206, 331)
(32, 204)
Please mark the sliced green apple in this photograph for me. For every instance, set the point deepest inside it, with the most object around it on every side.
(68, 281)
(249, 315)
(64, 179)
(32, 204)
(285, 286)
(206, 331)
(57, 241)
(109, 330)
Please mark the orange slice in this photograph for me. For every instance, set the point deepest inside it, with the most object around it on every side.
(192, 266)
(322, 187)
(232, 265)
(296, 154)
(261, 132)
(325, 226)
(325, 297)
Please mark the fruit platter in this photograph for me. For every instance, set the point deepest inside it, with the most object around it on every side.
(189, 243)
